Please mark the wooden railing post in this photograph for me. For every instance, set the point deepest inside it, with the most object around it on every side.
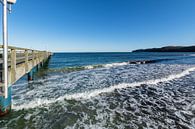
(13, 65)
(26, 60)
(40, 56)
(33, 58)
(46, 54)
(37, 57)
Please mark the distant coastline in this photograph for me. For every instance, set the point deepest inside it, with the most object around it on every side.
(168, 49)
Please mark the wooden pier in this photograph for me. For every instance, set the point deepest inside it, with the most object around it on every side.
(21, 61)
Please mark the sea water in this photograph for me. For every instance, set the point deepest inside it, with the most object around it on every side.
(102, 90)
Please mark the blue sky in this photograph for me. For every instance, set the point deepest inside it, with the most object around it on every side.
(101, 25)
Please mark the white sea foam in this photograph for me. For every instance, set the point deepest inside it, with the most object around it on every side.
(115, 64)
(89, 67)
(89, 94)
(106, 65)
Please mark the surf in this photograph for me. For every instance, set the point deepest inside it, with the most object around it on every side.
(108, 65)
(90, 94)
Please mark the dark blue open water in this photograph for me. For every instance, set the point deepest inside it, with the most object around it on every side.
(60, 60)
(102, 90)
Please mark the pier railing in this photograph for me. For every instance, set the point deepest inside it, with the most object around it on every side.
(21, 61)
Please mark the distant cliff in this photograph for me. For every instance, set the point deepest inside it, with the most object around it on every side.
(168, 49)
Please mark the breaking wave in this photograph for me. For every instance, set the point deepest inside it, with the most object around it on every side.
(88, 67)
(89, 94)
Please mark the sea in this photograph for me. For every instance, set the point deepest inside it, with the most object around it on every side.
(105, 91)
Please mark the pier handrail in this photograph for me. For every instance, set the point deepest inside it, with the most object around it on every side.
(19, 48)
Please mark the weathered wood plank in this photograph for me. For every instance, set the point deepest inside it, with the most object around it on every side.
(13, 65)
(26, 61)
